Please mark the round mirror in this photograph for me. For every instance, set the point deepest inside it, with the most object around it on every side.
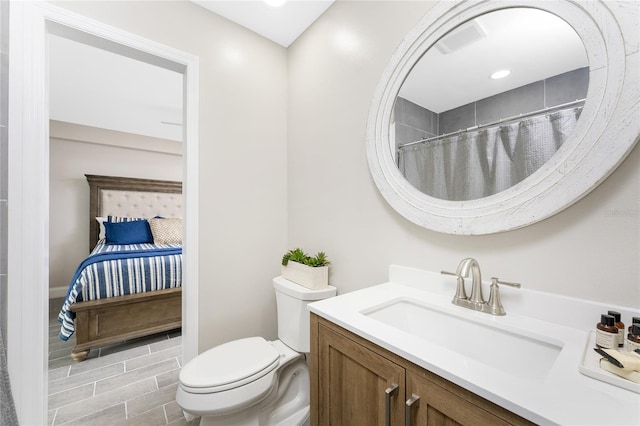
(489, 103)
(475, 155)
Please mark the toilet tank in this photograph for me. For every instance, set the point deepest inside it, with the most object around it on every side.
(293, 316)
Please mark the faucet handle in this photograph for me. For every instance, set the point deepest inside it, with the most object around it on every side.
(449, 273)
(497, 281)
(494, 305)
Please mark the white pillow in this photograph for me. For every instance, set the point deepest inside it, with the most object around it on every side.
(103, 234)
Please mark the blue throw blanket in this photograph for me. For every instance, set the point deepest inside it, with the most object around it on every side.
(118, 270)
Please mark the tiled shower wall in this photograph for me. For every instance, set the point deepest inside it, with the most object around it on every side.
(414, 122)
(4, 95)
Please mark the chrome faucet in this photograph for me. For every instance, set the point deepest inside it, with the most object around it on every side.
(476, 298)
(476, 302)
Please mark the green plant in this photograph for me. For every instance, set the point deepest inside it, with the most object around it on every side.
(297, 255)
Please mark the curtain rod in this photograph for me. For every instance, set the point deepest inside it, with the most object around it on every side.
(493, 123)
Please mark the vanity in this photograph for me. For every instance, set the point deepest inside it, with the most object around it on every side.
(353, 373)
(401, 353)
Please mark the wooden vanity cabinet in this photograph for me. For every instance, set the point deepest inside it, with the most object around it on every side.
(357, 383)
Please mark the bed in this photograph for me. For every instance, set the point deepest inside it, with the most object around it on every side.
(139, 303)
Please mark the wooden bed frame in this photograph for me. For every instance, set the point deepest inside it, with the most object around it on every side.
(99, 322)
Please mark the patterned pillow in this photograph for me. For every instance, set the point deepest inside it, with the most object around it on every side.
(118, 219)
(167, 230)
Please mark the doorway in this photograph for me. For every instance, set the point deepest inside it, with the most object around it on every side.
(28, 239)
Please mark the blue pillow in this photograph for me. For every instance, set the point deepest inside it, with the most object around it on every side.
(135, 232)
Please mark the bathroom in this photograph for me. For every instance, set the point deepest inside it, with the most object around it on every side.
(283, 162)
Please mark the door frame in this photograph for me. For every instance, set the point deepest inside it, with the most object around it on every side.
(30, 23)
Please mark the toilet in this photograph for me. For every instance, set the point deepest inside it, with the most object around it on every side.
(252, 381)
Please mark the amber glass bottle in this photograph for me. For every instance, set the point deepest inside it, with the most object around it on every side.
(606, 332)
(619, 325)
(633, 338)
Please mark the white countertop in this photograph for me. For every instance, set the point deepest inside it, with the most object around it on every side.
(561, 396)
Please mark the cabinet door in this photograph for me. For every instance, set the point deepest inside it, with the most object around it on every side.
(353, 383)
(439, 406)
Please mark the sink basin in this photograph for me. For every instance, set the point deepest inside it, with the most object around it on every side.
(509, 350)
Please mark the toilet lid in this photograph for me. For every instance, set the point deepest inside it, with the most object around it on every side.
(230, 363)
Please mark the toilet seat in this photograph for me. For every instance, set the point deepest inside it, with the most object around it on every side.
(230, 365)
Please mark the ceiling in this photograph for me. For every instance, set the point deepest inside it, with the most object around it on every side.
(282, 24)
(97, 88)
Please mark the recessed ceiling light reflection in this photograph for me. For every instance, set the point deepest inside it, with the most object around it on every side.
(500, 74)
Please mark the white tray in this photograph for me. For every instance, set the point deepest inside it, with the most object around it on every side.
(590, 366)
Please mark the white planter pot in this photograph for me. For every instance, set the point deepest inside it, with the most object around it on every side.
(312, 278)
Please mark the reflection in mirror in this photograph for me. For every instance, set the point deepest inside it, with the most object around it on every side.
(462, 133)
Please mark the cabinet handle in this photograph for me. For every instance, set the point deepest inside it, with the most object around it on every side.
(388, 393)
(411, 402)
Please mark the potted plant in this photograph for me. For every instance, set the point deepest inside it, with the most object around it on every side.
(308, 271)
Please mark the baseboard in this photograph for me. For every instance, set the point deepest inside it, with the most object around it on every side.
(55, 292)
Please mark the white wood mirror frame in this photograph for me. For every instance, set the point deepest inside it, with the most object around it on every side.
(605, 134)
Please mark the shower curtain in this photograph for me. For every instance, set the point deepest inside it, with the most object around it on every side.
(483, 162)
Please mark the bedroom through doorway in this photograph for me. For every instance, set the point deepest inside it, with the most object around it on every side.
(32, 158)
(115, 117)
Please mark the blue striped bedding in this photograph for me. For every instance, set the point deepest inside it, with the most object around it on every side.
(116, 270)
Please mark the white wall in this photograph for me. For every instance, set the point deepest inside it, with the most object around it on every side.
(77, 150)
(242, 158)
(589, 250)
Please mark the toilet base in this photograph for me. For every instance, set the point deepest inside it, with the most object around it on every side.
(248, 417)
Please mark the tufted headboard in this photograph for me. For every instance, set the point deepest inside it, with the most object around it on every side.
(131, 197)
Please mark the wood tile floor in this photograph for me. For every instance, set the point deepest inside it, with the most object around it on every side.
(132, 383)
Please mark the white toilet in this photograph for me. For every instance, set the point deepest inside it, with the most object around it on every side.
(252, 381)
